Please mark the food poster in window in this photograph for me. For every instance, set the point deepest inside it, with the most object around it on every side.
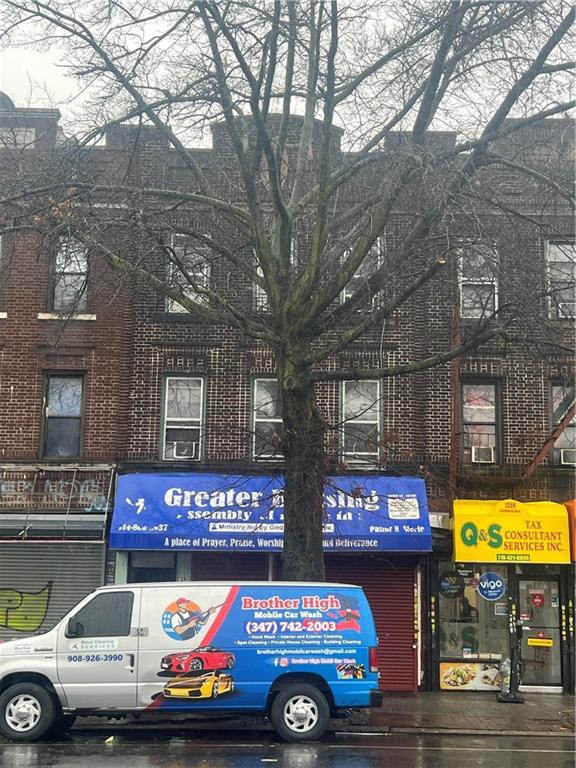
(221, 646)
(469, 676)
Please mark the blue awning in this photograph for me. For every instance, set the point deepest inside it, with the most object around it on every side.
(364, 513)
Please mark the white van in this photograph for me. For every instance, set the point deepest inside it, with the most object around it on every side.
(296, 652)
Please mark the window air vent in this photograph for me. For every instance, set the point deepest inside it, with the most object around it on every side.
(483, 454)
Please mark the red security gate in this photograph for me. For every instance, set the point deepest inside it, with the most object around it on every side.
(389, 587)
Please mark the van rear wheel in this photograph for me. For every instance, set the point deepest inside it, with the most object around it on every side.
(300, 712)
(27, 712)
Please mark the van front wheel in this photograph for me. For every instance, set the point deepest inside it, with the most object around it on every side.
(300, 712)
(27, 712)
(61, 726)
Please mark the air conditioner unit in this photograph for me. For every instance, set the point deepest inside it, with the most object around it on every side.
(184, 449)
(567, 309)
(568, 456)
(483, 454)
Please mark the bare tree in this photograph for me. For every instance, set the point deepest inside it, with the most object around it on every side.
(391, 73)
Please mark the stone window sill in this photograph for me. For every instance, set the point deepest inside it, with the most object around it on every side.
(61, 316)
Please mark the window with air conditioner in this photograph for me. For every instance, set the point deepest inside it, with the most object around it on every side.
(360, 420)
(183, 417)
(478, 265)
(267, 422)
(562, 279)
(479, 422)
(188, 270)
(564, 452)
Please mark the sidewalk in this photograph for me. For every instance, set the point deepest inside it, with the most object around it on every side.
(443, 713)
(542, 714)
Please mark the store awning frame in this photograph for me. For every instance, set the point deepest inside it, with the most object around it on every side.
(216, 512)
(509, 531)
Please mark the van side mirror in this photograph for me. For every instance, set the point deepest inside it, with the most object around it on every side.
(74, 628)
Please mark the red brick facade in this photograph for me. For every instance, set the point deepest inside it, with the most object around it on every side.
(125, 344)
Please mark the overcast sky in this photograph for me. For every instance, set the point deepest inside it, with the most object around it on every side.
(33, 79)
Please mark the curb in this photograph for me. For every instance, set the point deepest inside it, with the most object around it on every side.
(439, 731)
(384, 730)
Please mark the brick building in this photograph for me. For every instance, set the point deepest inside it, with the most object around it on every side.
(101, 377)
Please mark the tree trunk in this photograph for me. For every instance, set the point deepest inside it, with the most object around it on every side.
(304, 429)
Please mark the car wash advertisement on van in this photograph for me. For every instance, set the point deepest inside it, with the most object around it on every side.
(297, 652)
(223, 645)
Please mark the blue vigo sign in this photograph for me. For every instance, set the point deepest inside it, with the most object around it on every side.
(491, 586)
(246, 513)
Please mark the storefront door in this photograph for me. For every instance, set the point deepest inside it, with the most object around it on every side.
(539, 604)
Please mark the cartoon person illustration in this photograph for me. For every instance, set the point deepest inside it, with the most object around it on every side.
(184, 619)
(188, 623)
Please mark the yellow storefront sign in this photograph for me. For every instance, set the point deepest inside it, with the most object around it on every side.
(508, 531)
(542, 642)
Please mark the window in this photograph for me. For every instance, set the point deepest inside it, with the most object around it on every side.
(565, 445)
(70, 276)
(478, 277)
(63, 415)
(372, 261)
(17, 138)
(267, 420)
(469, 624)
(193, 255)
(183, 407)
(562, 279)
(107, 615)
(479, 422)
(361, 420)
(260, 296)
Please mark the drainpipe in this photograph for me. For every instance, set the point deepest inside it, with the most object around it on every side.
(455, 403)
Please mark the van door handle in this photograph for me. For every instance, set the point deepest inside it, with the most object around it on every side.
(130, 665)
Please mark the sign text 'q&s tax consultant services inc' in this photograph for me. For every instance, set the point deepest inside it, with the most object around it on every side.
(510, 531)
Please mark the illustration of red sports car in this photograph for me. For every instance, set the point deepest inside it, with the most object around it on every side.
(205, 657)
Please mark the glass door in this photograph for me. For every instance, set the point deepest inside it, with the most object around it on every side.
(539, 605)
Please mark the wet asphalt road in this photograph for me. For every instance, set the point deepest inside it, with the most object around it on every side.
(229, 751)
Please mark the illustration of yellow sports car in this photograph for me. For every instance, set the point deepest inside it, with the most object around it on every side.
(207, 686)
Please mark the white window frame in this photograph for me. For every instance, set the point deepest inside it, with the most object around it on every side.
(361, 456)
(561, 310)
(66, 269)
(201, 276)
(268, 420)
(462, 246)
(196, 423)
(355, 283)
